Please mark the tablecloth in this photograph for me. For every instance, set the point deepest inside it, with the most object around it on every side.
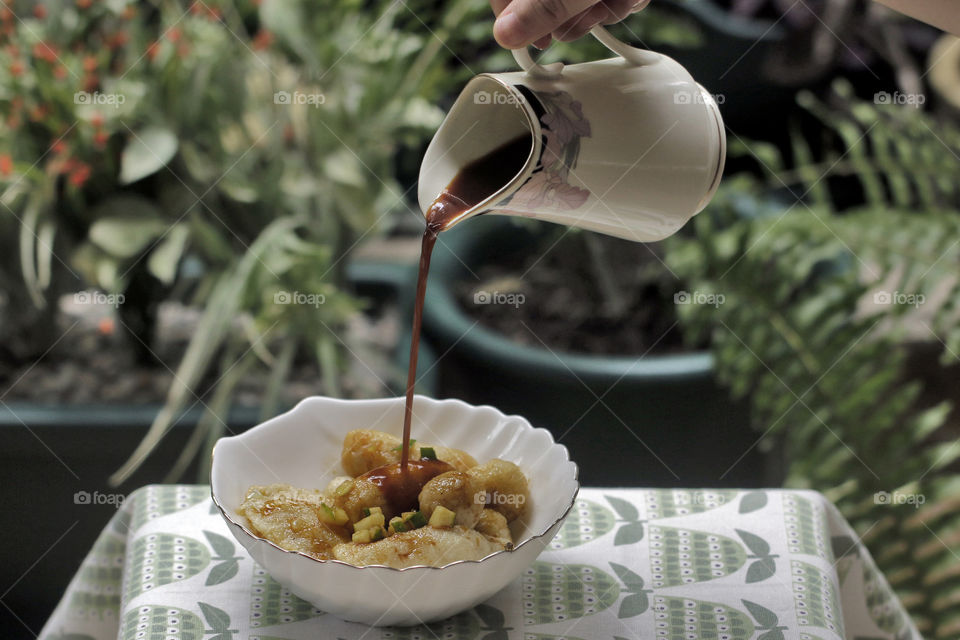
(631, 563)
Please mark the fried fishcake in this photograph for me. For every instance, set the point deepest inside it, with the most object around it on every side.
(423, 546)
(289, 517)
(363, 495)
(507, 489)
(366, 449)
(457, 491)
(493, 526)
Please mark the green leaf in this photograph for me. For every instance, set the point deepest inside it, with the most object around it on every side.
(490, 616)
(753, 501)
(764, 617)
(165, 258)
(633, 605)
(221, 545)
(761, 569)
(629, 534)
(631, 581)
(125, 225)
(217, 619)
(757, 545)
(147, 151)
(773, 634)
(222, 572)
(624, 509)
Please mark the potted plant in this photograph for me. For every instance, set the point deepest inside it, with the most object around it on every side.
(840, 329)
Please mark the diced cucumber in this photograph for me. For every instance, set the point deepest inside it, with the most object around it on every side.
(370, 522)
(333, 515)
(343, 488)
(415, 520)
(362, 536)
(428, 453)
(377, 534)
(397, 525)
(442, 517)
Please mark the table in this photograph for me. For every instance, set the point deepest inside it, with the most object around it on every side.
(627, 564)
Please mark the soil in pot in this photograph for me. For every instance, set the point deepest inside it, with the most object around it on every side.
(579, 293)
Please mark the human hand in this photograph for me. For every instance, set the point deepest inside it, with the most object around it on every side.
(537, 22)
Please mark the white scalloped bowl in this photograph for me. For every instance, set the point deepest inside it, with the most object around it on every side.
(302, 447)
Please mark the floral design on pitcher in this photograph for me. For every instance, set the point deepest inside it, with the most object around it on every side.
(563, 126)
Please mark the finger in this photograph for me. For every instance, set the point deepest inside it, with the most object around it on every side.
(580, 24)
(498, 6)
(543, 42)
(617, 10)
(526, 21)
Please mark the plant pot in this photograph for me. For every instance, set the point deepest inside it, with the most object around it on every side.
(51, 452)
(628, 421)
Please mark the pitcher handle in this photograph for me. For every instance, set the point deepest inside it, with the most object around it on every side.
(633, 55)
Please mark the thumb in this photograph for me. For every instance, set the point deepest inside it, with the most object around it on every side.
(525, 21)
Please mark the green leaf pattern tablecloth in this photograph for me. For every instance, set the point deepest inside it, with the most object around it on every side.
(652, 563)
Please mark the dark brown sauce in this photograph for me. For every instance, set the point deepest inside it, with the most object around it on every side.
(472, 184)
(401, 486)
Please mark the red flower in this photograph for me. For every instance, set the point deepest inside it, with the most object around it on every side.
(80, 174)
(89, 63)
(96, 120)
(45, 52)
(118, 39)
(40, 12)
(59, 72)
(58, 147)
(84, 4)
(6, 164)
(196, 9)
(16, 68)
(6, 14)
(173, 34)
(262, 40)
(39, 112)
(214, 13)
(100, 139)
(153, 49)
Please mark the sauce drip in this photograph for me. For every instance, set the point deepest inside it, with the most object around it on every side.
(472, 184)
(401, 487)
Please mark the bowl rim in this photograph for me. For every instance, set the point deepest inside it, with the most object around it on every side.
(525, 541)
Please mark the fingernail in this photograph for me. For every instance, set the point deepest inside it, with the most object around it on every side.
(507, 31)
